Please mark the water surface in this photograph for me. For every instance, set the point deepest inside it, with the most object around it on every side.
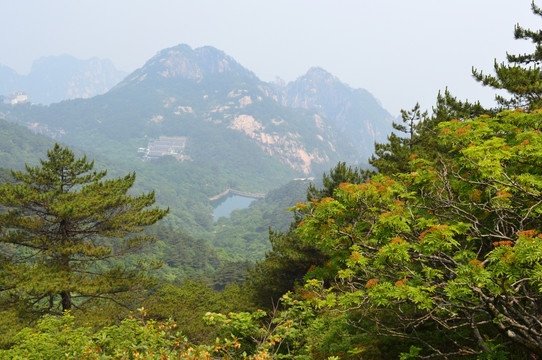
(227, 204)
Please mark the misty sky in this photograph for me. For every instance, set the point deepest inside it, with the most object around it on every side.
(401, 51)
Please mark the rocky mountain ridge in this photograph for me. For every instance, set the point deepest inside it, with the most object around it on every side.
(183, 62)
(332, 105)
(358, 115)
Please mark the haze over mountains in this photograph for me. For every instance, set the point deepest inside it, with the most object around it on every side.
(241, 133)
(56, 78)
(307, 124)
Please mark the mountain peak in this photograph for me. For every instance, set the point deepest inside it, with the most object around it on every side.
(318, 71)
(183, 62)
(319, 75)
(355, 112)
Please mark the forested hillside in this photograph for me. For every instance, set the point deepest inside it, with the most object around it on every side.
(245, 234)
(19, 146)
(238, 134)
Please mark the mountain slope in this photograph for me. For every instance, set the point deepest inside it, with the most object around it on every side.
(359, 117)
(19, 146)
(207, 85)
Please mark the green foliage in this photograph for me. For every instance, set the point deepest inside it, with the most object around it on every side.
(454, 241)
(418, 133)
(303, 328)
(278, 335)
(339, 174)
(284, 267)
(62, 222)
(188, 302)
(61, 338)
(245, 234)
(289, 259)
(233, 272)
(182, 256)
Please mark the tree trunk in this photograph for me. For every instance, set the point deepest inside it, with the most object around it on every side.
(66, 300)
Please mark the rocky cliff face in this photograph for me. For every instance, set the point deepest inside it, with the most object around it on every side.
(359, 117)
(234, 99)
(56, 78)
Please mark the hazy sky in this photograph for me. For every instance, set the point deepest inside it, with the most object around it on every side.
(401, 51)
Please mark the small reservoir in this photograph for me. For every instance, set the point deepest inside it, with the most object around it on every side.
(225, 205)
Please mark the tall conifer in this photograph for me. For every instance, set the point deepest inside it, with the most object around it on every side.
(60, 223)
(521, 77)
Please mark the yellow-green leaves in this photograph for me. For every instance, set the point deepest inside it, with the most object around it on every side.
(456, 235)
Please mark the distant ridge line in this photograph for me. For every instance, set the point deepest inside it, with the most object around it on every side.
(236, 192)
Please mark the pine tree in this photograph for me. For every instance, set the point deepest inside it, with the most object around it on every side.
(521, 77)
(418, 132)
(339, 174)
(61, 225)
(392, 156)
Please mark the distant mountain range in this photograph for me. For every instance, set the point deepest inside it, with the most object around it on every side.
(56, 78)
(308, 124)
(237, 132)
